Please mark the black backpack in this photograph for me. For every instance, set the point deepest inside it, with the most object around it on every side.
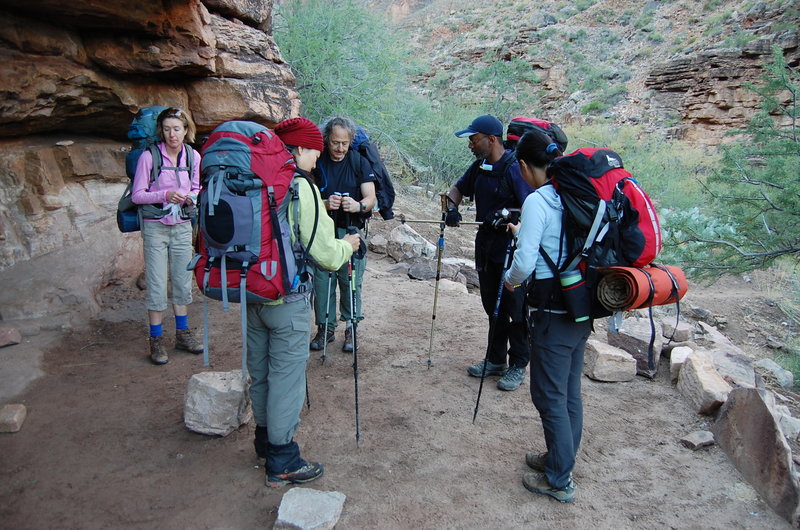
(384, 189)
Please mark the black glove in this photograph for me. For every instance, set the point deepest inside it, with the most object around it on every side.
(452, 217)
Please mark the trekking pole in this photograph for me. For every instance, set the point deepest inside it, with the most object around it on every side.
(439, 253)
(353, 324)
(351, 270)
(327, 315)
(493, 325)
(403, 220)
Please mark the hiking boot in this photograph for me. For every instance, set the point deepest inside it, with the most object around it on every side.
(306, 473)
(536, 461)
(184, 340)
(491, 369)
(537, 483)
(157, 353)
(316, 342)
(261, 445)
(513, 378)
(348, 339)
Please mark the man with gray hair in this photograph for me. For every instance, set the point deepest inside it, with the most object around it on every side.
(347, 184)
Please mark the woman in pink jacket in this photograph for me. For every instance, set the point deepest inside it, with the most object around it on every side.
(167, 203)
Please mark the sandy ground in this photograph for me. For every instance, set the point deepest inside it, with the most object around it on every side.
(104, 445)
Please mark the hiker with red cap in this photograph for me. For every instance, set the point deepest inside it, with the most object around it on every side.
(494, 182)
(277, 332)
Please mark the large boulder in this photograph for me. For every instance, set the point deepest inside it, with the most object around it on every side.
(748, 431)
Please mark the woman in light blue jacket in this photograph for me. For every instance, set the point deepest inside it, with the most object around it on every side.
(557, 340)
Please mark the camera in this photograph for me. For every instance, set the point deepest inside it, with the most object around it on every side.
(501, 218)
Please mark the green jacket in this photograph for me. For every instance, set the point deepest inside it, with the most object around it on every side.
(326, 251)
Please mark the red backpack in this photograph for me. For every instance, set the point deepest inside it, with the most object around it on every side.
(609, 219)
(520, 125)
(245, 252)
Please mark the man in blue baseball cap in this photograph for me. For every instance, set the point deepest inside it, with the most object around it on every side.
(486, 124)
(495, 183)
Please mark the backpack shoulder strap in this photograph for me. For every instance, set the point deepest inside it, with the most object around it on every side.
(155, 171)
(189, 162)
(506, 186)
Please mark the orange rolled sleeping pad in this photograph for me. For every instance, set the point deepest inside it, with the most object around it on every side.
(624, 288)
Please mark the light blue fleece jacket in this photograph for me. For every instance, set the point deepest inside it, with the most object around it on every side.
(541, 226)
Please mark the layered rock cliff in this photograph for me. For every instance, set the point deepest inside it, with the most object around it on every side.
(73, 75)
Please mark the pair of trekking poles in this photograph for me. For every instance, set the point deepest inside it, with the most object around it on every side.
(498, 300)
(351, 273)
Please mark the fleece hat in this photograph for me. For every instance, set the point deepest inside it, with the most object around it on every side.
(485, 124)
(300, 132)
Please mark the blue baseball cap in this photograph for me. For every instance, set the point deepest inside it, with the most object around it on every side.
(486, 124)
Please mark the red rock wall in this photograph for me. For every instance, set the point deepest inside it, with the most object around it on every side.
(73, 75)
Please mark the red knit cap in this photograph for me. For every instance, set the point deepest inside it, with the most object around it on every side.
(300, 132)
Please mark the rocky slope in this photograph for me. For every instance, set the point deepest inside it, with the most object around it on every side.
(676, 66)
(73, 76)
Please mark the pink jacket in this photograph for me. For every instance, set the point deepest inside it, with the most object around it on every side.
(167, 180)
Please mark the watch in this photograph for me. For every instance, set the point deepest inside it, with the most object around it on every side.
(362, 207)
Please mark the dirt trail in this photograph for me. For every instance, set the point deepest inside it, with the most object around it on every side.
(104, 444)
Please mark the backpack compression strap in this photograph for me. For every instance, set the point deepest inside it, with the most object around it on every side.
(276, 236)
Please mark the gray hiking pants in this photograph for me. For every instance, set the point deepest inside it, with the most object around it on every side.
(167, 252)
(277, 353)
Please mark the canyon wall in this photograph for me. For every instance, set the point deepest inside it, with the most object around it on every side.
(73, 75)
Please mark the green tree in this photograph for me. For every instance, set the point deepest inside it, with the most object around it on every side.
(349, 61)
(346, 60)
(753, 213)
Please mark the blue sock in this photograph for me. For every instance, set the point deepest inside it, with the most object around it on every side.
(155, 330)
(181, 321)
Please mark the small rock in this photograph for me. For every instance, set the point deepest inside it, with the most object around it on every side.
(697, 439)
(9, 337)
(784, 378)
(774, 343)
(634, 337)
(12, 417)
(681, 332)
(216, 403)
(377, 244)
(305, 508)
(607, 363)
(451, 286)
(700, 383)
(676, 360)
(399, 268)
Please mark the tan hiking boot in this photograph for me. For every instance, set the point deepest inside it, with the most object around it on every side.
(184, 340)
(157, 353)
